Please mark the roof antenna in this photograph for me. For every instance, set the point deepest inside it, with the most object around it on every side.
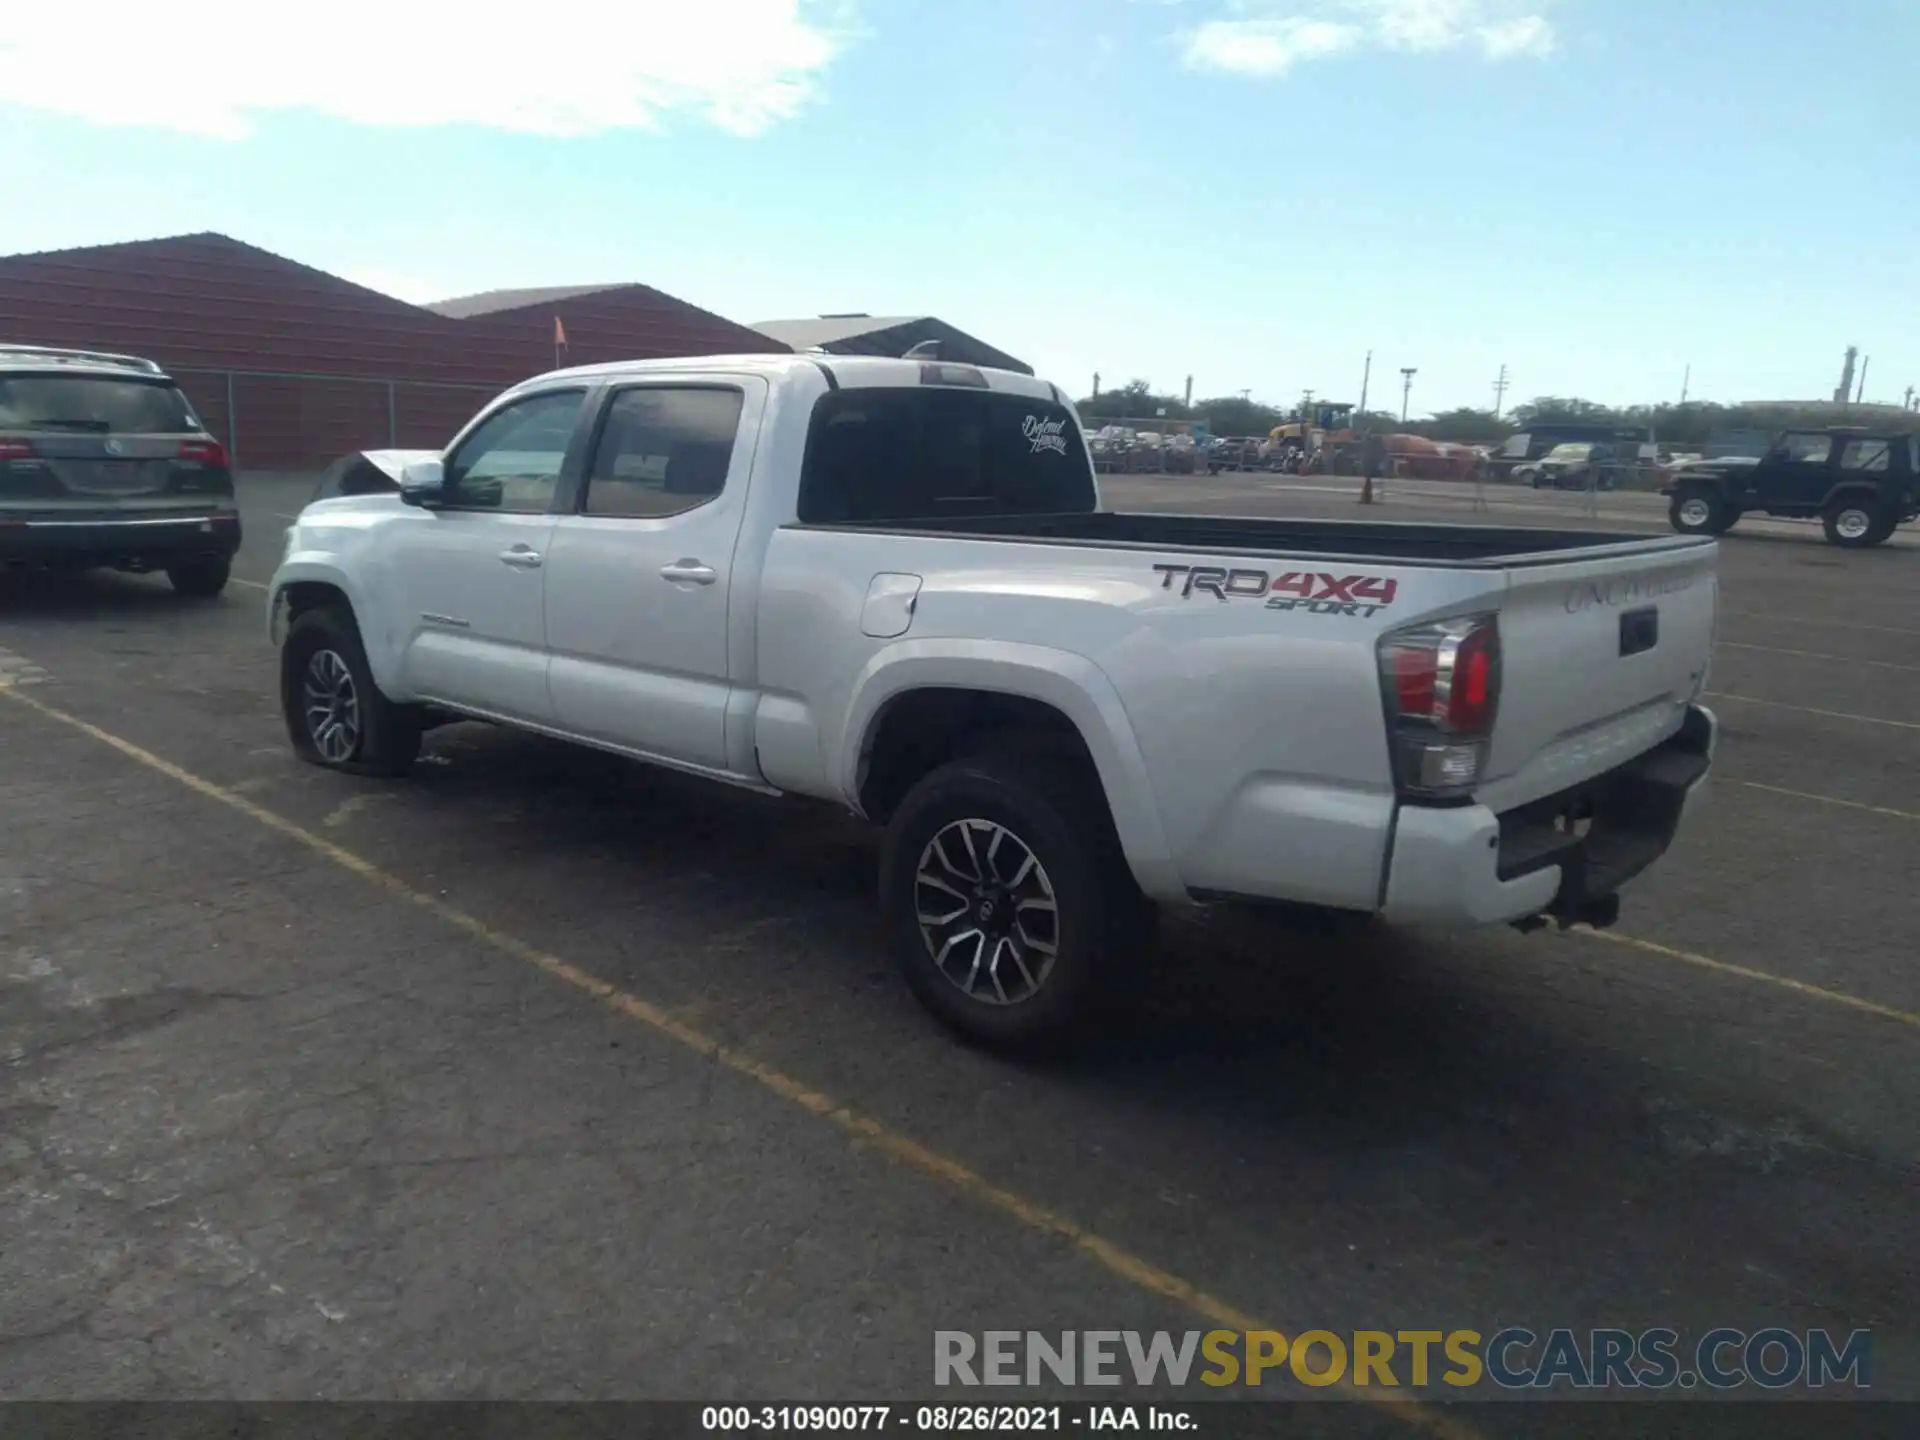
(925, 350)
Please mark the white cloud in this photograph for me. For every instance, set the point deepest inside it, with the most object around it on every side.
(1526, 35)
(1266, 47)
(210, 67)
(1269, 44)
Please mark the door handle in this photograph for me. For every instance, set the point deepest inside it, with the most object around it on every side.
(521, 558)
(689, 572)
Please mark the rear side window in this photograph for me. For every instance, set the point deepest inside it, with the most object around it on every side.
(1868, 455)
(936, 453)
(96, 405)
(663, 450)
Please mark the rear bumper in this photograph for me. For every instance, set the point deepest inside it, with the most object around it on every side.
(1468, 866)
(135, 543)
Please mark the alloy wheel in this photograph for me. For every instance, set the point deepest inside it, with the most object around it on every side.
(1695, 513)
(986, 911)
(331, 705)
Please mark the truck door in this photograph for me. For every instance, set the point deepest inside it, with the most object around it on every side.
(470, 571)
(1796, 473)
(638, 572)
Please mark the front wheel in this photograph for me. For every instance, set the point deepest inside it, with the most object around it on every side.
(1009, 903)
(336, 716)
(1856, 524)
(200, 579)
(1700, 512)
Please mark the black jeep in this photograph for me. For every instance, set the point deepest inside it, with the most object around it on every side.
(1861, 483)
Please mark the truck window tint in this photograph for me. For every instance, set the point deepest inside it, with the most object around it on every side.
(934, 452)
(512, 460)
(663, 451)
(1868, 455)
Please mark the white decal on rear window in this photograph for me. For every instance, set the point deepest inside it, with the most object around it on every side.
(1045, 435)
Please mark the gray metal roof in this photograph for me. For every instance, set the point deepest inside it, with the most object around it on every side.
(831, 329)
(490, 302)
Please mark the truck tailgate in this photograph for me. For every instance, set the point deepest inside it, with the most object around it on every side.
(1599, 659)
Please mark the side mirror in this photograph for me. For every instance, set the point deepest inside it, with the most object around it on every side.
(423, 483)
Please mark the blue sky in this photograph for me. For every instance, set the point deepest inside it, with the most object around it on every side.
(1254, 192)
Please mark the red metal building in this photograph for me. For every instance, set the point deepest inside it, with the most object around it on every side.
(295, 367)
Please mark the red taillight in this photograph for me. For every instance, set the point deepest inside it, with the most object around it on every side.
(1441, 684)
(16, 449)
(1470, 698)
(1413, 671)
(207, 452)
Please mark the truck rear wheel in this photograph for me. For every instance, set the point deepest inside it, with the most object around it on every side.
(1853, 523)
(1698, 511)
(1008, 901)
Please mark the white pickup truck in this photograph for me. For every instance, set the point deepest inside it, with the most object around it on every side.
(889, 583)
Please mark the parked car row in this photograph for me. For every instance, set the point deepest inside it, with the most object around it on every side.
(1117, 449)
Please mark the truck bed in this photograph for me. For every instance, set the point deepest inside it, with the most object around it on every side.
(1470, 546)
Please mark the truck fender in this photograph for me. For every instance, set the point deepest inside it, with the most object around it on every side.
(1845, 488)
(319, 567)
(1071, 684)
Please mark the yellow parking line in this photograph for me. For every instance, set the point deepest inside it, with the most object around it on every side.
(1765, 977)
(1817, 655)
(1832, 800)
(1111, 1257)
(1809, 710)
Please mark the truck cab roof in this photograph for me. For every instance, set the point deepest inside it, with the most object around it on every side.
(852, 372)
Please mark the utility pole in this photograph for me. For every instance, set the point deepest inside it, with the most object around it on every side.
(1407, 372)
(1500, 384)
(1859, 396)
(1685, 382)
(1188, 402)
(1366, 375)
(1096, 384)
(1906, 401)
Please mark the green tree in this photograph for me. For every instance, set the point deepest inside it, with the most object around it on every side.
(1464, 425)
(1135, 400)
(1563, 410)
(1236, 415)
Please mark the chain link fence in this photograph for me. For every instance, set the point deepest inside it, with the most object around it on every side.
(272, 420)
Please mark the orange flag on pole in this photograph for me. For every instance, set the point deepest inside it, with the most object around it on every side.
(559, 332)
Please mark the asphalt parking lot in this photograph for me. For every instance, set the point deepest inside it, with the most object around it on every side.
(542, 1075)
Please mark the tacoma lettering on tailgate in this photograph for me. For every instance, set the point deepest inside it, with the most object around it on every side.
(1315, 591)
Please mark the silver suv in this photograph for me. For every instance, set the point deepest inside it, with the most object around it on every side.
(103, 464)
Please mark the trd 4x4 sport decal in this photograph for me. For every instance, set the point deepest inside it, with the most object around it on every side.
(1314, 591)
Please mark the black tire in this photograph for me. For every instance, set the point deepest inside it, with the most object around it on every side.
(1697, 510)
(1883, 532)
(1853, 521)
(384, 738)
(1102, 926)
(200, 579)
